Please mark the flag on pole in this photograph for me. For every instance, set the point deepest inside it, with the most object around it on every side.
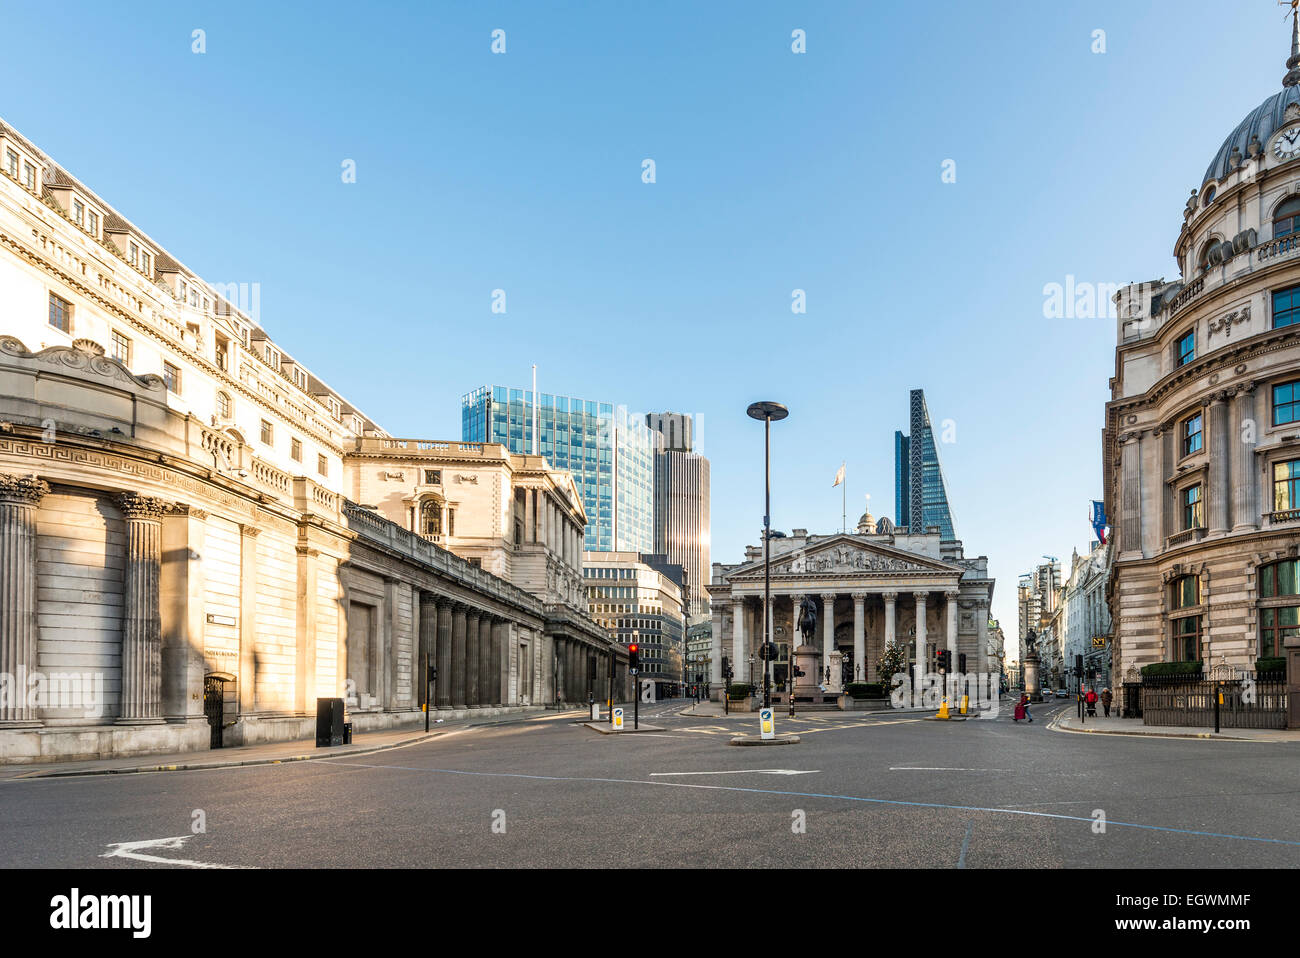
(1099, 520)
(839, 476)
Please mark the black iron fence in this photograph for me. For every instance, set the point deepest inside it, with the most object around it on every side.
(1248, 701)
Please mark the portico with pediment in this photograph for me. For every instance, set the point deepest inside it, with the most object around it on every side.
(871, 590)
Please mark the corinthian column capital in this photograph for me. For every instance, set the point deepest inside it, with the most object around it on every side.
(26, 490)
(136, 506)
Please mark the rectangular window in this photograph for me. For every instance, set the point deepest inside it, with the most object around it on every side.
(132, 253)
(93, 222)
(121, 348)
(172, 377)
(1286, 403)
(1187, 639)
(1192, 507)
(1286, 307)
(1192, 438)
(322, 465)
(1187, 348)
(60, 313)
(268, 433)
(11, 162)
(78, 213)
(146, 262)
(29, 176)
(433, 477)
(295, 450)
(1286, 485)
(1275, 627)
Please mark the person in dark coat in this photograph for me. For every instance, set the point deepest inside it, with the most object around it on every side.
(1106, 699)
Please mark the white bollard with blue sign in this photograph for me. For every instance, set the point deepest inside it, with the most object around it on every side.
(766, 722)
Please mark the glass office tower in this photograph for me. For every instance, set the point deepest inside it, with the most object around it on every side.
(920, 493)
(607, 452)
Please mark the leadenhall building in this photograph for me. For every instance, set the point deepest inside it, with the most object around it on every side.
(199, 537)
(1202, 434)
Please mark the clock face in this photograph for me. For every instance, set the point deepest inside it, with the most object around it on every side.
(1287, 144)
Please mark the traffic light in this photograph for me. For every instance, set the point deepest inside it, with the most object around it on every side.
(726, 668)
(961, 663)
(633, 656)
(945, 661)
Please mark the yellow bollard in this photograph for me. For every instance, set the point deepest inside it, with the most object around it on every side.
(943, 708)
(965, 703)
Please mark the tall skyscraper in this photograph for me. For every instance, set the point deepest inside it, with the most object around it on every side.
(607, 452)
(681, 504)
(920, 494)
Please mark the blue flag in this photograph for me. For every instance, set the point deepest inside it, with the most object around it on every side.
(1099, 520)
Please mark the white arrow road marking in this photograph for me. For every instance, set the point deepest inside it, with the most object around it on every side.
(747, 771)
(132, 850)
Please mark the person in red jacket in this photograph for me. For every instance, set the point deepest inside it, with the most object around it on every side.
(1091, 701)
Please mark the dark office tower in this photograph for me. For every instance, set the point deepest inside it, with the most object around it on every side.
(681, 504)
(920, 494)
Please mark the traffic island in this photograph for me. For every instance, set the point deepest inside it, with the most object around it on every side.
(759, 740)
(604, 728)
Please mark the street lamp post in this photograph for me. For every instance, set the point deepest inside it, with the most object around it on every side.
(768, 412)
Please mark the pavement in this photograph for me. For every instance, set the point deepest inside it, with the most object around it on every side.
(861, 790)
(1069, 721)
(269, 753)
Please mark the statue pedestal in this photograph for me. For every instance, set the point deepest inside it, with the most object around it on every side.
(805, 660)
(835, 685)
(1032, 686)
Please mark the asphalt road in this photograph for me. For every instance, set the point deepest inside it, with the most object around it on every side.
(874, 791)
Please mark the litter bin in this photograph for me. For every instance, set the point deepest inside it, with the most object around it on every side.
(347, 733)
(329, 722)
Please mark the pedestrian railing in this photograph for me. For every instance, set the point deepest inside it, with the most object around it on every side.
(1249, 701)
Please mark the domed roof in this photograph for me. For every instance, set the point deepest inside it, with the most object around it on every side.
(1265, 120)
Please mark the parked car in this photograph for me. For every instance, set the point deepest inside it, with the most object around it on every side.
(1062, 694)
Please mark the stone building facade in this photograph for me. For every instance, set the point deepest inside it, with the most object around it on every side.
(1202, 438)
(180, 564)
(872, 589)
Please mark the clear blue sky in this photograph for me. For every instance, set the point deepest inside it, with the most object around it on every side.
(775, 171)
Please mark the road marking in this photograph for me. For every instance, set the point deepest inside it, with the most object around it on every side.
(844, 798)
(965, 844)
(911, 768)
(747, 771)
(132, 851)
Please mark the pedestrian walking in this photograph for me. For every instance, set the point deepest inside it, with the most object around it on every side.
(1091, 701)
(1106, 699)
(1022, 709)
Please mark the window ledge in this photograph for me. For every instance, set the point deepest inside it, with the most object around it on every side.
(1281, 518)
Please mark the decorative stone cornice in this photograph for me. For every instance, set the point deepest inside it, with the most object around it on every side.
(136, 506)
(28, 490)
(83, 359)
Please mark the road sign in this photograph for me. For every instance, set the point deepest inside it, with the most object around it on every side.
(767, 725)
(1099, 641)
(618, 720)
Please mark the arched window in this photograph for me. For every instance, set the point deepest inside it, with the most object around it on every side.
(1208, 196)
(223, 405)
(1286, 218)
(431, 517)
(1279, 614)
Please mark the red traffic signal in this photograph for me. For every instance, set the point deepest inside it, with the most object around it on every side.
(633, 656)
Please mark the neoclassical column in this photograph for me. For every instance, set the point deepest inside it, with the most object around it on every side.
(459, 673)
(444, 644)
(19, 631)
(1219, 496)
(982, 625)
(828, 629)
(738, 638)
(472, 658)
(859, 637)
(428, 647)
(1130, 517)
(141, 615)
(1245, 484)
(951, 622)
(891, 618)
(485, 659)
(920, 598)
